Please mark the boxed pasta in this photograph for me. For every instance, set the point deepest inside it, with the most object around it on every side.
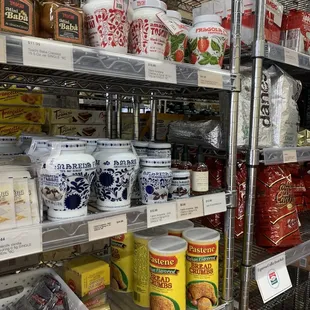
(17, 129)
(16, 95)
(23, 115)
(95, 131)
(75, 116)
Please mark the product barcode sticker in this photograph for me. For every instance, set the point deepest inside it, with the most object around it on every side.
(169, 23)
(2, 49)
(214, 203)
(161, 72)
(47, 54)
(289, 156)
(107, 227)
(20, 241)
(189, 208)
(291, 57)
(161, 214)
(272, 277)
(210, 79)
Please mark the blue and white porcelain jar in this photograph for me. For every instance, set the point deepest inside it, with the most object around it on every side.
(159, 150)
(155, 179)
(66, 175)
(117, 167)
(140, 147)
(91, 144)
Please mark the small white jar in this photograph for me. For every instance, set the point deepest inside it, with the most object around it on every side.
(91, 144)
(180, 186)
(116, 170)
(148, 35)
(140, 147)
(159, 150)
(207, 41)
(8, 146)
(155, 179)
(66, 176)
(107, 25)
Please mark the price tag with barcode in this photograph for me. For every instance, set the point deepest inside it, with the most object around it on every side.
(189, 208)
(47, 54)
(210, 79)
(161, 72)
(214, 203)
(289, 156)
(161, 214)
(3, 49)
(291, 57)
(107, 227)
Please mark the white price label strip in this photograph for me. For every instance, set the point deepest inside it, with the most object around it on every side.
(47, 54)
(161, 72)
(107, 227)
(189, 208)
(20, 241)
(214, 203)
(291, 57)
(210, 79)
(161, 214)
(272, 277)
(3, 49)
(289, 156)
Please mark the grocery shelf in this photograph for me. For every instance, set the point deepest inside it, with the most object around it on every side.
(93, 69)
(274, 156)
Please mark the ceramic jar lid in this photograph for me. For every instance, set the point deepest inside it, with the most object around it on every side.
(153, 145)
(207, 18)
(149, 4)
(180, 174)
(90, 141)
(8, 139)
(68, 145)
(140, 143)
(155, 162)
(122, 144)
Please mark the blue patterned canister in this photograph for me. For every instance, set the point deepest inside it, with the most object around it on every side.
(155, 179)
(159, 150)
(117, 167)
(65, 179)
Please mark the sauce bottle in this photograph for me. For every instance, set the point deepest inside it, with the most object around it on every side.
(200, 175)
(185, 163)
(175, 161)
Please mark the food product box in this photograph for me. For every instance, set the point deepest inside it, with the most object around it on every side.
(95, 131)
(18, 96)
(74, 116)
(23, 115)
(87, 274)
(17, 129)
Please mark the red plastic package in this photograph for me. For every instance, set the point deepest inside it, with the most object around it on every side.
(216, 172)
(276, 215)
(241, 187)
(215, 221)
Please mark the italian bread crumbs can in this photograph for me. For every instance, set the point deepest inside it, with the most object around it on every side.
(141, 272)
(177, 228)
(122, 262)
(167, 273)
(201, 268)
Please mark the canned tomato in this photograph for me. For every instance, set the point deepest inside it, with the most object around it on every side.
(167, 273)
(122, 263)
(202, 268)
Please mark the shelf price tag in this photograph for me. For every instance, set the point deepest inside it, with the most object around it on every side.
(189, 208)
(3, 49)
(20, 241)
(291, 57)
(214, 203)
(47, 54)
(161, 72)
(272, 277)
(210, 79)
(161, 214)
(289, 156)
(107, 227)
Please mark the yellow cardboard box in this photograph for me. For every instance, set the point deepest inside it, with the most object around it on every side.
(22, 115)
(17, 129)
(87, 275)
(94, 131)
(15, 95)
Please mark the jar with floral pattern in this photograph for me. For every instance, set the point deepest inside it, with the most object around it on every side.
(117, 167)
(65, 179)
(155, 179)
(107, 24)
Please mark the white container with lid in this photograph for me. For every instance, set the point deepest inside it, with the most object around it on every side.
(140, 147)
(180, 186)
(155, 179)
(177, 228)
(91, 144)
(207, 41)
(107, 24)
(159, 150)
(38, 149)
(148, 35)
(66, 176)
(201, 235)
(176, 44)
(117, 168)
(8, 146)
